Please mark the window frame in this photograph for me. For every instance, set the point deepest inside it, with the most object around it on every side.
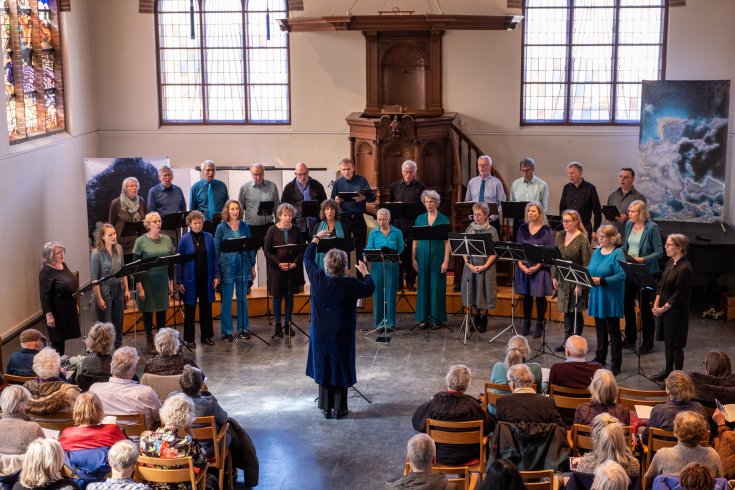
(204, 85)
(569, 66)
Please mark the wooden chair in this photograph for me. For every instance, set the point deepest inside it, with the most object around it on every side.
(471, 432)
(490, 397)
(162, 385)
(546, 484)
(54, 421)
(204, 429)
(12, 379)
(630, 397)
(132, 425)
(657, 439)
(464, 479)
(169, 470)
(569, 398)
(581, 438)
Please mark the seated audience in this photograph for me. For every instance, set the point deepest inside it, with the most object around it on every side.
(690, 429)
(516, 352)
(169, 361)
(453, 405)
(609, 443)
(21, 362)
(122, 458)
(604, 393)
(100, 342)
(167, 442)
(680, 391)
(87, 443)
(524, 404)
(421, 453)
(610, 476)
(717, 381)
(725, 445)
(17, 431)
(694, 476)
(42, 467)
(123, 396)
(205, 404)
(49, 393)
(502, 474)
(575, 371)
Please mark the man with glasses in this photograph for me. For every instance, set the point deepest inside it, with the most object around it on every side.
(303, 188)
(623, 196)
(528, 188)
(252, 194)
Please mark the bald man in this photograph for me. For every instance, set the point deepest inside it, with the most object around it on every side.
(303, 188)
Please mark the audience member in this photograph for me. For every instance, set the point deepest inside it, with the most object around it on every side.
(303, 188)
(17, 431)
(49, 393)
(252, 194)
(421, 454)
(724, 444)
(453, 405)
(123, 396)
(94, 368)
(680, 391)
(21, 362)
(690, 429)
(610, 476)
(169, 361)
(208, 194)
(717, 381)
(623, 196)
(205, 404)
(42, 467)
(581, 196)
(696, 476)
(575, 371)
(516, 352)
(122, 458)
(524, 404)
(502, 474)
(609, 443)
(604, 393)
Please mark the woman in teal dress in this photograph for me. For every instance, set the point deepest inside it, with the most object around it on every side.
(431, 261)
(329, 215)
(606, 303)
(385, 235)
(154, 286)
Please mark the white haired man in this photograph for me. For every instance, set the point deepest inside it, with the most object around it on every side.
(407, 190)
(208, 195)
(421, 454)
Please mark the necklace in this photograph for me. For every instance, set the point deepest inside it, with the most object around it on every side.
(197, 241)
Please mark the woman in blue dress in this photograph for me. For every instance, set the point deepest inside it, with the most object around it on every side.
(329, 216)
(431, 261)
(237, 269)
(385, 235)
(533, 280)
(606, 298)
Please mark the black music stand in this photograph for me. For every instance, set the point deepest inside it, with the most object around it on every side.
(265, 208)
(309, 209)
(382, 256)
(543, 254)
(513, 252)
(516, 211)
(172, 260)
(638, 275)
(348, 196)
(240, 245)
(555, 222)
(210, 225)
(291, 250)
(175, 221)
(406, 212)
(439, 233)
(133, 228)
(575, 274)
(470, 245)
(610, 212)
(88, 306)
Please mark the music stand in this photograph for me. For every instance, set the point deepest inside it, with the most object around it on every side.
(133, 228)
(240, 245)
(575, 274)
(404, 214)
(81, 292)
(174, 221)
(470, 245)
(555, 222)
(513, 252)
(382, 256)
(348, 196)
(439, 233)
(291, 250)
(543, 254)
(210, 225)
(516, 211)
(265, 208)
(610, 212)
(309, 209)
(638, 275)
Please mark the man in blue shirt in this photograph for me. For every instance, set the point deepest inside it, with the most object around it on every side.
(352, 211)
(486, 188)
(208, 195)
(166, 198)
(21, 362)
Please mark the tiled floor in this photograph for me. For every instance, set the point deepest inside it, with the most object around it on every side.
(266, 390)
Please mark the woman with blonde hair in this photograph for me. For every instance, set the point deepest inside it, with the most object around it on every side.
(609, 443)
(606, 297)
(112, 295)
(516, 352)
(604, 393)
(42, 467)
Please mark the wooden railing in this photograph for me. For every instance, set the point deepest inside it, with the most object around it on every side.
(465, 153)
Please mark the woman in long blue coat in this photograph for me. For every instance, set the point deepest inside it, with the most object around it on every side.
(197, 278)
(385, 235)
(431, 261)
(237, 269)
(606, 298)
(331, 360)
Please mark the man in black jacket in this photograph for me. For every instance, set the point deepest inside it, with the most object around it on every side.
(300, 189)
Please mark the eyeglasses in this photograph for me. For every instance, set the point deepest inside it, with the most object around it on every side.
(567, 221)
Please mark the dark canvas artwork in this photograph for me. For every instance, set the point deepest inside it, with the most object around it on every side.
(683, 138)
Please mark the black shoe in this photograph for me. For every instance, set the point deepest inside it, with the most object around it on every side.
(627, 345)
(538, 333)
(227, 337)
(660, 376)
(645, 350)
(190, 345)
(526, 329)
(424, 325)
(208, 341)
(560, 348)
(340, 414)
(327, 413)
(244, 334)
(615, 371)
(601, 362)
(279, 330)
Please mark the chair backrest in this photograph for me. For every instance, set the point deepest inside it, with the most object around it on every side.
(169, 470)
(12, 379)
(569, 398)
(581, 439)
(132, 425)
(545, 477)
(630, 397)
(205, 429)
(658, 439)
(162, 385)
(54, 421)
(462, 481)
(490, 397)
(570, 392)
(443, 432)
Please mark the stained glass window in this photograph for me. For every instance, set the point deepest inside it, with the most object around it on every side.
(222, 62)
(584, 60)
(31, 58)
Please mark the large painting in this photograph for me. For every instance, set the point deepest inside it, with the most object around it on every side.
(683, 137)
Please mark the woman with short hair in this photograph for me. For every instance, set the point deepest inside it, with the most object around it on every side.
(680, 391)
(329, 214)
(42, 467)
(604, 393)
(18, 432)
(516, 352)
(129, 207)
(285, 276)
(716, 382)
(57, 285)
(49, 393)
(99, 342)
(479, 285)
(385, 275)
(610, 476)
(608, 443)
(155, 285)
(169, 361)
(205, 403)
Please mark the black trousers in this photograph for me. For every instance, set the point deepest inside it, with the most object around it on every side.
(647, 325)
(332, 397)
(407, 271)
(528, 310)
(358, 230)
(569, 322)
(608, 333)
(205, 316)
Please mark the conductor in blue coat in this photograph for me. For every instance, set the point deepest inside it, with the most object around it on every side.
(334, 295)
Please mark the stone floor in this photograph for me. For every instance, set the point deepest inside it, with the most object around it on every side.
(265, 388)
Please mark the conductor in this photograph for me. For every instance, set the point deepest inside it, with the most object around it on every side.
(331, 360)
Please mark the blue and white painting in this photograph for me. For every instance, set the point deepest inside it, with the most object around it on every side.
(683, 137)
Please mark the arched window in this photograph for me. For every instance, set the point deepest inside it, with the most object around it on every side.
(222, 62)
(32, 68)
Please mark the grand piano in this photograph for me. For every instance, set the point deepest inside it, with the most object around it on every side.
(711, 245)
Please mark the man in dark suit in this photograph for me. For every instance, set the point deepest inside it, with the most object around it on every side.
(407, 189)
(303, 188)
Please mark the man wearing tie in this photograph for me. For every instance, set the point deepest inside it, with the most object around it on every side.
(486, 188)
(208, 195)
